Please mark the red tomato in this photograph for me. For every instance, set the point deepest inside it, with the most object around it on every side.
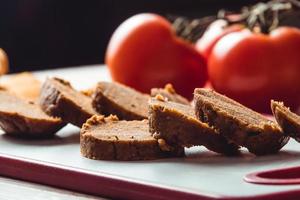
(254, 68)
(213, 34)
(144, 52)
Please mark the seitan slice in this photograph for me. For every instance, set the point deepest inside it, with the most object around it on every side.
(24, 85)
(59, 99)
(169, 92)
(117, 99)
(238, 123)
(178, 126)
(287, 120)
(110, 139)
(25, 119)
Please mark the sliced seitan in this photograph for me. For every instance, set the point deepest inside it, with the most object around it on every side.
(117, 99)
(110, 139)
(24, 85)
(169, 92)
(59, 99)
(25, 119)
(287, 120)
(238, 123)
(178, 126)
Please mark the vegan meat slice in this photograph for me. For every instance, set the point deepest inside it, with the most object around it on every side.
(59, 99)
(238, 123)
(24, 85)
(177, 125)
(117, 99)
(111, 139)
(287, 120)
(169, 92)
(25, 119)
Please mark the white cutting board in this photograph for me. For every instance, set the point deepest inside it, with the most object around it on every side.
(201, 173)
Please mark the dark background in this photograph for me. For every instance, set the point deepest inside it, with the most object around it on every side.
(40, 34)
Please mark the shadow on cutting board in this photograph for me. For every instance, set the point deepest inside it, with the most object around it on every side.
(63, 137)
(246, 158)
(194, 156)
(201, 156)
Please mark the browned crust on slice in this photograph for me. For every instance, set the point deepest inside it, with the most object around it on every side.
(59, 99)
(287, 120)
(169, 92)
(239, 124)
(115, 98)
(24, 119)
(110, 139)
(177, 125)
(89, 92)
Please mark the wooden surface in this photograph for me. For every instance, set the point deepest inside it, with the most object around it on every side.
(12, 189)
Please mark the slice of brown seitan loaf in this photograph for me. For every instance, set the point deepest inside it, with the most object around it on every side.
(287, 120)
(238, 123)
(59, 99)
(110, 139)
(25, 119)
(117, 99)
(178, 126)
(169, 92)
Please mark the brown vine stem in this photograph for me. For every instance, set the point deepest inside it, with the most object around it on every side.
(264, 17)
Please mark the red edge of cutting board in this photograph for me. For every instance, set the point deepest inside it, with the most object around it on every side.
(106, 185)
(280, 176)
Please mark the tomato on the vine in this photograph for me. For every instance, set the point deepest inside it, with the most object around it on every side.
(253, 56)
(255, 67)
(144, 52)
(214, 32)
